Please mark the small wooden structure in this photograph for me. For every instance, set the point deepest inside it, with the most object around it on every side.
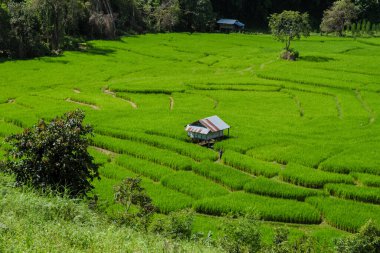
(230, 25)
(207, 129)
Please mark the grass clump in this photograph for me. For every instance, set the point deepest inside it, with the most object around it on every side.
(346, 214)
(251, 165)
(222, 174)
(367, 179)
(273, 188)
(193, 185)
(313, 178)
(34, 223)
(364, 194)
(270, 209)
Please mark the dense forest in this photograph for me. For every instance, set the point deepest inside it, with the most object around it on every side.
(31, 28)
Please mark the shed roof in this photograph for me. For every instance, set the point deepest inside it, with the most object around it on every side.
(210, 124)
(196, 129)
(227, 21)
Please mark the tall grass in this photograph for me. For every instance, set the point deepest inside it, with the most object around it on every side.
(194, 151)
(367, 179)
(308, 177)
(193, 185)
(222, 174)
(365, 194)
(34, 223)
(270, 209)
(273, 188)
(140, 150)
(143, 167)
(250, 165)
(346, 214)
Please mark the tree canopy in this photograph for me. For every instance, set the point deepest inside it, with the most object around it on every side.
(54, 155)
(288, 26)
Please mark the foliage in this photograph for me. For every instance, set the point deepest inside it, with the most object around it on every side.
(242, 234)
(54, 155)
(48, 223)
(340, 15)
(288, 26)
(367, 240)
(128, 193)
(177, 225)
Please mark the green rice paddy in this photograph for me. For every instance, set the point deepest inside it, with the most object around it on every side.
(305, 136)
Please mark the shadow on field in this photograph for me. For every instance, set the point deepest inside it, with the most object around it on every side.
(98, 51)
(316, 58)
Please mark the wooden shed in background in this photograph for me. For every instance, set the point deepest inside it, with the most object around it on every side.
(230, 25)
(207, 129)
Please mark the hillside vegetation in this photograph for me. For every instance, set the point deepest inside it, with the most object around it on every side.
(304, 143)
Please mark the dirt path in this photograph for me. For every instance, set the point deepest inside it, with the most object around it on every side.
(11, 101)
(105, 151)
(95, 107)
(338, 107)
(77, 91)
(371, 113)
(113, 94)
(171, 103)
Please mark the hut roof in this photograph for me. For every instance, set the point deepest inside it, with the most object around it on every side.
(226, 21)
(206, 125)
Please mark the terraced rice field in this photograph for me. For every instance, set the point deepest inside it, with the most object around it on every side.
(305, 138)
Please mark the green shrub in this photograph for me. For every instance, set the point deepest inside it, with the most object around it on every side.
(242, 234)
(54, 155)
(367, 240)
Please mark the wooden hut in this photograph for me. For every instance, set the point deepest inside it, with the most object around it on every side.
(207, 129)
(230, 25)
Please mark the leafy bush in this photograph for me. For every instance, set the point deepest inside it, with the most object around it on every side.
(177, 225)
(242, 234)
(290, 54)
(129, 193)
(366, 241)
(54, 155)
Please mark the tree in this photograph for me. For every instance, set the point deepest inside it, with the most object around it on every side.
(341, 14)
(166, 16)
(130, 194)
(54, 155)
(242, 234)
(366, 241)
(288, 26)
